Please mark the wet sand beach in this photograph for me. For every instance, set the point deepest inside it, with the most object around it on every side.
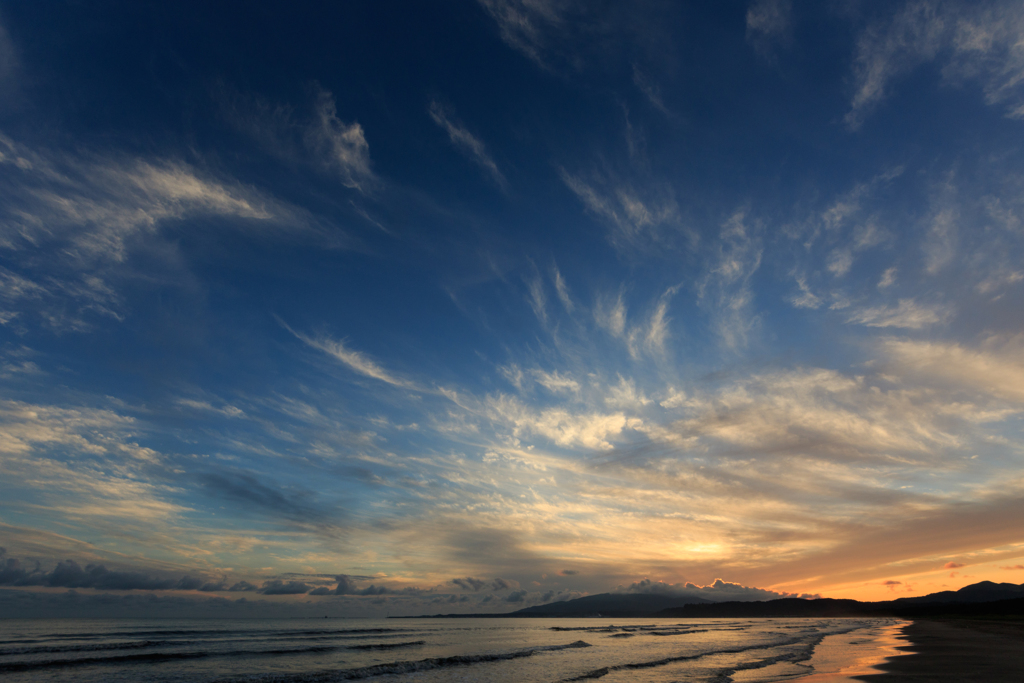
(964, 650)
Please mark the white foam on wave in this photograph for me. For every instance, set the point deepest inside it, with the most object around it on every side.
(414, 666)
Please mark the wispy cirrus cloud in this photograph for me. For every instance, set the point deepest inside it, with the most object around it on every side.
(71, 222)
(726, 287)
(907, 314)
(356, 361)
(312, 135)
(562, 290)
(818, 413)
(226, 410)
(526, 24)
(466, 142)
(769, 23)
(94, 467)
(567, 428)
(647, 335)
(341, 146)
(556, 382)
(610, 314)
(61, 304)
(996, 367)
(975, 42)
(652, 335)
(637, 218)
(645, 84)
(805, 298)
(98, 204)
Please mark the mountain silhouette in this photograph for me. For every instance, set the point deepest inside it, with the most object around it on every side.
(979, 599)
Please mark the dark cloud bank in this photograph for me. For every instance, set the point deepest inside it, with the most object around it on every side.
(70, 574)
(142, 597)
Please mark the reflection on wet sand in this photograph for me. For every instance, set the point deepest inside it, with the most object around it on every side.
(845, 658)
(842, 658)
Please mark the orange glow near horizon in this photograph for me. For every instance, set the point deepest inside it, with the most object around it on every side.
(924, 583)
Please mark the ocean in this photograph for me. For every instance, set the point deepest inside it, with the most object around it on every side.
(428, 650)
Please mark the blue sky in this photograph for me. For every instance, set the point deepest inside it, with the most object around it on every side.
(392, 307)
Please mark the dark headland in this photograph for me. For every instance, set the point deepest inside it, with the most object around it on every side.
(979, 600)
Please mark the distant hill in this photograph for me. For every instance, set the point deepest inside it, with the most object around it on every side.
(609, 605)
(985, 598)
(986, 591)
(977, 599)
(826, 607)
(614, 605)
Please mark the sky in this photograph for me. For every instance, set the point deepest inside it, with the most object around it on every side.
(376, 308)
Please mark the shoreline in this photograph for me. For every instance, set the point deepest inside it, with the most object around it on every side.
(962, 650)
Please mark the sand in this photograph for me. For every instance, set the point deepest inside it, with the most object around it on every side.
(962, 650)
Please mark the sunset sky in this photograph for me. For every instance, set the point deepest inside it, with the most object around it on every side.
(374, 308)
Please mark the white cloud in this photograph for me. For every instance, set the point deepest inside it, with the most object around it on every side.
(563, 291)
(806, 298)
(650, 90)
(26, 425)
(675, 399)
(466, 142)
(820, 414)
(97, 205)
(834, 216)
(840, 212)
(556, 382)
(840, 261)
(940, 246)
(999, 280)
(997, 368)
(226, 410)
(987, 45)
(611, 315)
(1005, 216)
(869, 235)
(73, 220)
(538, 301)
(61, 305)
(726, 287)
(319, 138)
(887, 50)
(978, 41)
(14, 287)
(514, 374)
(651, 335)
(888, 278)
(524, 23)
(591, 430)
(80, 462)
(908, 315)
(356, 361)
(768, 23)
(656, 334)
(342, 146)
(625, 396)
(865, 236)
(15, 361)
(637, 219)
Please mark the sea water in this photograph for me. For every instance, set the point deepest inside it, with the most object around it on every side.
(429, 650)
